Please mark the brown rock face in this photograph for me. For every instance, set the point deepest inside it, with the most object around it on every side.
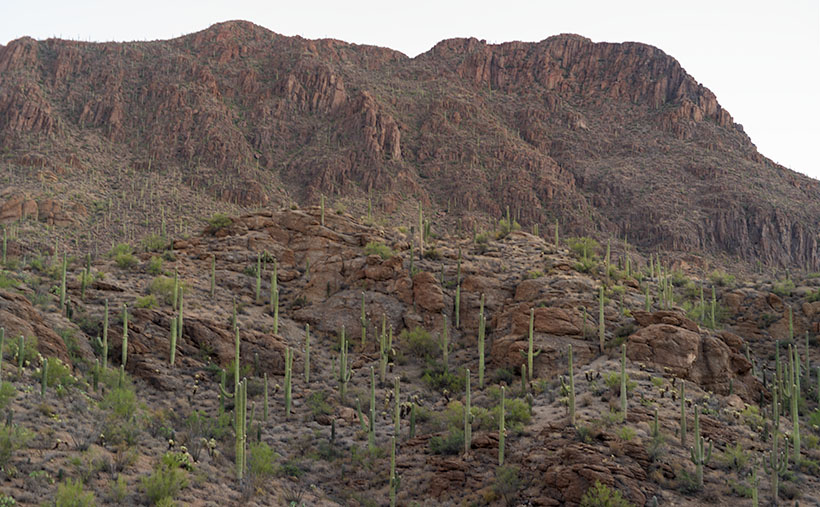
(703, 359)
(19, 317)
(330, 117)
(427, 292)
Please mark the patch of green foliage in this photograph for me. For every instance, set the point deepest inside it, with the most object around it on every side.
(600, 495)
(71, 494)
(380, 249)
(217, 222)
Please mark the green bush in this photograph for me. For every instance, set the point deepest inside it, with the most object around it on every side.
(505, 227)
(155, 265)
(721, 278)
(149, 301)
(783, 287)
(317, 401)
(121, 424)
(7, 393)
(419, 343)
(218, 221)
(164, 483)
(735, 457)
(613, 382)
(71, 494)
(261, 461)
(507, 483)
(7, 282)
(451, 443)
(584, 247)
(163, 288)
(123, 255)
(154, 243)
(600, 495)
(380, 249)
(437, 377)
(11, 352)
(59, 374)
(12, 438)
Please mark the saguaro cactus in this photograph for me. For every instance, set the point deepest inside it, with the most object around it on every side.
(700, 454)
(778, 459)
(344, 368)
(445, 344)
(213, 276)
(571, 389)
(623, 381)
(397, 413)
(105, 338)
(62, 284)
(307, 353)
(468, 417)
(364, 323)
(173, 341)
(44, 378)
(601, 319)
(288, 376)
(481, 325)
(683, 414)
(394, 480)
(371, 434)
(501, 430)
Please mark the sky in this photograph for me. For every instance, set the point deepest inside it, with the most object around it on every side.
(760, 58)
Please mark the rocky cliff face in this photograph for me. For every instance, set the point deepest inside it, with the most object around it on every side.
(614, 139)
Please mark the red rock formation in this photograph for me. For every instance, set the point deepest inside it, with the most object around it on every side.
(610, 137)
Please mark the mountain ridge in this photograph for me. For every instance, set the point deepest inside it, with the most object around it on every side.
(612, 139)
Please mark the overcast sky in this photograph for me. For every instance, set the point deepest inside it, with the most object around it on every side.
(761, 58)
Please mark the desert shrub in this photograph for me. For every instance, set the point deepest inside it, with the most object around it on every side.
(7, 282)
(7, 393)
(419, 343)
(813, 296)
(516, 413)
(123, 255)
(165, 482)
(583, 247)
(155, 265)
(678, 279)
(218, 221)
(586, 265)
(162, 287)
(626, 433)
(507, 483)
(200, 427)
(721, 278)
(317, 402)
(482, 238)
(380, 249)
(12, 438)
(71, 494)
(600, 495)
(149, 301)
(613, 382)
(154, 243)
(59, 374)
(505, 227)
(783, 287)
(451, 443)
(432, 254)
(735, 457)
(504, 375)
(121, 424)
(261, 461)
(11, 352)
(438, 377)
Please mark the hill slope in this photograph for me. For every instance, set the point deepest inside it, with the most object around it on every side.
(613, 138)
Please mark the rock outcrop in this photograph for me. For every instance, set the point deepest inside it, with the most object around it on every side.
(326, 117)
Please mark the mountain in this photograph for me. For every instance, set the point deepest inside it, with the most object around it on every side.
(610, 140)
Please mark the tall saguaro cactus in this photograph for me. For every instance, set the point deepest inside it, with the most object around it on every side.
(601, 319)
(344, 368)
(501, 430)
(468, 417)
(623, 381)
(571, 389)
(481, 327)
(683, 414)
(700, 454)
(288, 377)
(307, 353)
